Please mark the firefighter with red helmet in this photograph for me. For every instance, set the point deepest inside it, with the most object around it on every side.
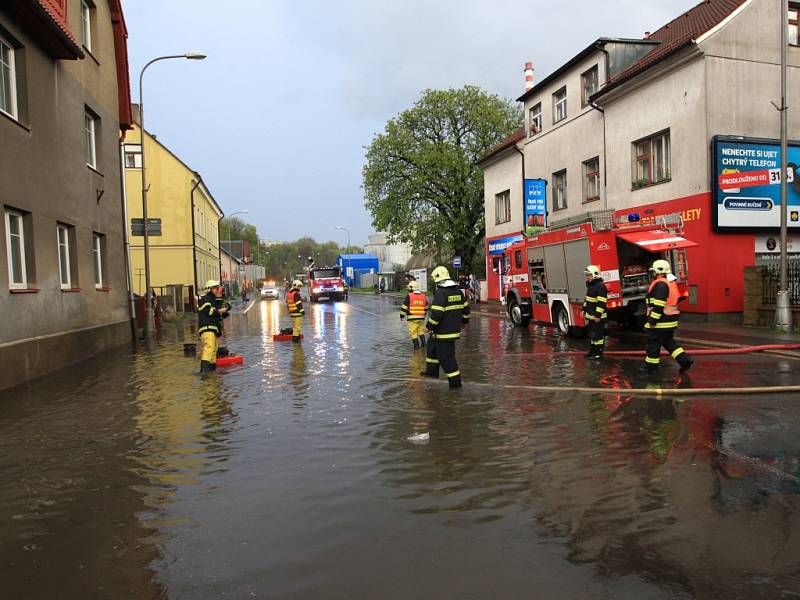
(414, 308)
(594, 311)
(662, 300)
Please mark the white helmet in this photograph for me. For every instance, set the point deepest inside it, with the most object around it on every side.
(412, 286)
(592, 270)
(297, 284)
(440, 274)
(661, 267)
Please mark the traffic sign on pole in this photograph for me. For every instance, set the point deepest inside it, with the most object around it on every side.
(456, 262)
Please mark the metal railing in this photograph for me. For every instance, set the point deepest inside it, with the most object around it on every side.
(770, 274)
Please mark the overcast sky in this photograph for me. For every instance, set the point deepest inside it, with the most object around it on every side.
(277, 117)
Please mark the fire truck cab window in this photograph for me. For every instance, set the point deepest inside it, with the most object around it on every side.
(518, 259)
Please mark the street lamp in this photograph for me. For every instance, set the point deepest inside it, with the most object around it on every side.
(347, 271)
(148, 324)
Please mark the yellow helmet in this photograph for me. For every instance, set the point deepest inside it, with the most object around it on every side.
(212, 283)
(297, 284)
(412, 286)
(593, 270)
(661, 267)
(440, 274)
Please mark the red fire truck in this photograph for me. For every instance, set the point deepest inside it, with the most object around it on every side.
(325, 283)
(544, 274)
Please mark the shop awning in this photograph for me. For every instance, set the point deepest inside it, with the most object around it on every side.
(657, 240)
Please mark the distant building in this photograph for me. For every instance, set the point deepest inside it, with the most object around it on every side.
(232, 272)
(356, 265)
(186, 252)
(389, 254)
(64, 104)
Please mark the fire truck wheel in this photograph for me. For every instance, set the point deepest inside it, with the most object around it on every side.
(518, 318)
(562, 320)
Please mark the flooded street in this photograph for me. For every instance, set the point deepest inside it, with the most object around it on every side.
(293, 476)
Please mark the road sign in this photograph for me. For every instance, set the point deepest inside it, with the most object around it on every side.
(456, 262)
(153, 226)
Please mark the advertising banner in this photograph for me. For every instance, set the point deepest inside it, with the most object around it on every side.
(746, 187)
(498, 246)
(535, 206)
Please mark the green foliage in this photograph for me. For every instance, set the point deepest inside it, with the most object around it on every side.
(285, 260)
(421, 181)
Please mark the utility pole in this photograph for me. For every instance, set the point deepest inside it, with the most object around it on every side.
(783, 305)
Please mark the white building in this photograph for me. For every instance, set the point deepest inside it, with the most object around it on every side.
(631, 124)
(388, 254)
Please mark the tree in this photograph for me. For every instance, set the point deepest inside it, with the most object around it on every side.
(421, 180)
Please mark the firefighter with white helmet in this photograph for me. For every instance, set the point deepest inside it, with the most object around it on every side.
(662, 319)
(449, 311)
(210, 312)
(414, 308)
(594, 310)
(294, 303)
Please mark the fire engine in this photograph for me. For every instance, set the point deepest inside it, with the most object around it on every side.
(544, 273)
(325, 283)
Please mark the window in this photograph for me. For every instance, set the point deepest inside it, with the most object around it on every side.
(8, 80)
(560, 105)
(794, 21)
(535, 121)
(651, 159)
(90, 129)
(98, 247)
(589, 85)
(560, 190)
(133, 156)
(86, 25)
(518, 259)
(591, 179)
(64, 257)
(502, 207)
(15, 247)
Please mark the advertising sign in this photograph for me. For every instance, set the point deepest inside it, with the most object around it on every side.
(498, 246)
(746, 188)
(535, 206)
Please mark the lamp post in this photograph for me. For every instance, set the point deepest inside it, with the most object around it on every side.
(347, 273)
(148, 323)
(783, 305)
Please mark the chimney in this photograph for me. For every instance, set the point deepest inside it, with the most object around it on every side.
(528, 75)
(647, 35)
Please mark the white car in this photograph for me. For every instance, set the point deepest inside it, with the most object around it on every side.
(270, 292)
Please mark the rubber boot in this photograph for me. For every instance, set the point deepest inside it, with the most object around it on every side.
(415, 341)
(296, 339)
(648, 369)
(212, 366)
(422, 340)
(204, 368)
(590, 353)
(685, 362)
(454, 382)
(598, 353)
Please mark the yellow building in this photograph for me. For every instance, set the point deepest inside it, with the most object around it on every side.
(187, 251)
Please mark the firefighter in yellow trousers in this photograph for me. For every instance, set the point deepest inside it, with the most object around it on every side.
(210, 312)
(414, 307)
(294, 302)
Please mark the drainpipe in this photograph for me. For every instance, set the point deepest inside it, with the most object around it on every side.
(522, 156)
(602, 48)
(194, 239)
(126, 245)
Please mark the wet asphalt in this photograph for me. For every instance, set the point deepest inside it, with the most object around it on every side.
(331, 470)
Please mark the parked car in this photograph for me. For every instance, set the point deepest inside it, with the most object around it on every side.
(269, 291)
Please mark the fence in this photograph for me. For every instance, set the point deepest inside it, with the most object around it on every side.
(770, 283)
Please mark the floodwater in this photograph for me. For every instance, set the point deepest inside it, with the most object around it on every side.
(293, 476)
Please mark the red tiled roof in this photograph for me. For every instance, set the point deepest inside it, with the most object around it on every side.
(678, 33)
(519, 134)
(56, 21)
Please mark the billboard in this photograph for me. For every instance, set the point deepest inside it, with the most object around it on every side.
(535, 212)
(745, 189)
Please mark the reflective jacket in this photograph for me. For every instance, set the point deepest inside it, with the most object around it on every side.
(208, 316)
(449, 310)
(414, 306)
(294, 302)
(662, 304)
(594, 305)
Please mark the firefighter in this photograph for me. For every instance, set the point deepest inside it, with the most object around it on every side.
(449, 311)
(294, 302)
(414, 307)
(662, 319)
(210, 313)
(594, 311)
